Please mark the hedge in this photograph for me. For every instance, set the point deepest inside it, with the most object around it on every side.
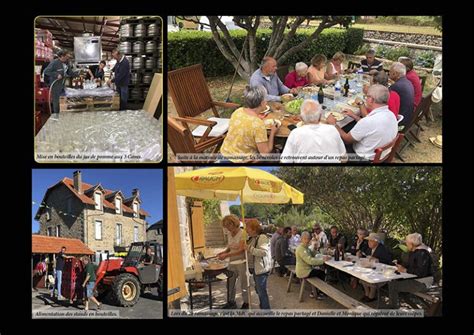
(192, 47)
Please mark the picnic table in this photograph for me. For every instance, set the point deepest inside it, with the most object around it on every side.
(278, 111)
(381, 275)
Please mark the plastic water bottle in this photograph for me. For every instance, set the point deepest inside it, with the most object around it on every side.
(337, 90)
(360, 75)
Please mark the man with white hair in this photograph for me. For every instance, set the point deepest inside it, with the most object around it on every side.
(420, 263)
(405, 90)
(298, 77)
(376, 130)
(266, 76)
(313, 142)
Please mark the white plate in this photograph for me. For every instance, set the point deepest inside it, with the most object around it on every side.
(269, 122)
(300, 124)
(338, 116)
(266, 109)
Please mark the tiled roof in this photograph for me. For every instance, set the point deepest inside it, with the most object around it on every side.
(69, 183)
(41, 244)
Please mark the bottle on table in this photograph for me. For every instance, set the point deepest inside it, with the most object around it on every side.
(340, 246)
(321, 95)
(337, 91)
(336, 254)
(346, 87)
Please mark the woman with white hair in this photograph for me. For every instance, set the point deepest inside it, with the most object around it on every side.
(247, 135)
(298, 77)
(420, 263)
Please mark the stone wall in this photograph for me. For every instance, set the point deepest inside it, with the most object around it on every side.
(404, 37)
(65, 211)
(109, 223)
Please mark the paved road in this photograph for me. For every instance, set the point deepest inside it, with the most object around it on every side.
(149, 306)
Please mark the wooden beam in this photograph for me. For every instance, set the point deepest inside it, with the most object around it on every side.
(76, 20)
(78, 31)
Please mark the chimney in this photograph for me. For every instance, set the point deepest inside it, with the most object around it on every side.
(135, 192)
(77, 181)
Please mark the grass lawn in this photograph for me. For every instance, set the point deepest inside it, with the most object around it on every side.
(399, 28)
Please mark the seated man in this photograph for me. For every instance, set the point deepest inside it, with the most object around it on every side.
(420, 263)
(376, 130)
(305, 261)
(313, 142)
(413, 77)
(405, 90)
(370, 64)
(147, 258)
(378, 253)
(282, 253)
(266, 76)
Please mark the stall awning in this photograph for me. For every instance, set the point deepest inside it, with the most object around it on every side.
(41, 244)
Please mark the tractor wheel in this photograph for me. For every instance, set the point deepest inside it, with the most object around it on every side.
(126, 290)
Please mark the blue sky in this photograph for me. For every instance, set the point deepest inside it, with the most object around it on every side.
(148, 181)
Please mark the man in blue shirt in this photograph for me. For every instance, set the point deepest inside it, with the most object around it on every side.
(267, 77)
(405, 90)
(121, 77)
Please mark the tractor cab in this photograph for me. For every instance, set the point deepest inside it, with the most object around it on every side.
(147, 258)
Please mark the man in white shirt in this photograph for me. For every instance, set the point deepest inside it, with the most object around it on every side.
(313, 142)
(295, 239)
(376, 130)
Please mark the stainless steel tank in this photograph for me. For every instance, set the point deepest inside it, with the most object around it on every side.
(126, 30)
(137, 63)
(153, 30)
(138, 46)
(150, 63)
(150, 46)
(140, 30)
(125, 47)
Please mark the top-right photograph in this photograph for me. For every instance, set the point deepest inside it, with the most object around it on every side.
(304, 89)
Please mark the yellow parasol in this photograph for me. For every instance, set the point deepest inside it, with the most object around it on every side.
(229, 183)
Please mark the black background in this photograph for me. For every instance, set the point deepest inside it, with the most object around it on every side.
(17, 163)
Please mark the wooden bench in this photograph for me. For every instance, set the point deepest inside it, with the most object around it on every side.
(332, 292)
(292, 269)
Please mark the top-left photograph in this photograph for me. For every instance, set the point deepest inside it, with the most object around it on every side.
(98, 89)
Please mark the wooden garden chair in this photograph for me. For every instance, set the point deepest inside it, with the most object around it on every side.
(182, 141)
(190, 93)
(393, 146)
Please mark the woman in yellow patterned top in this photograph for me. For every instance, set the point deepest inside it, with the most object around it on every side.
(247, 133)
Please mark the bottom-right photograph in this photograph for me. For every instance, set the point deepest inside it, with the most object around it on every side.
(290, 241)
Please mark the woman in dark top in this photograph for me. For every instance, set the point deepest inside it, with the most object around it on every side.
(360, 246)
(420, 264)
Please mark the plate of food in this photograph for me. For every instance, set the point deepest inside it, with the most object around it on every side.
(293, 106)
(265, 110)
(337, 115)
(287, 97)
(270, 122)
(300, 124)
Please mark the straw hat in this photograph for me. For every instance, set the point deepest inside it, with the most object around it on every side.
(437, 95)
(437, 141)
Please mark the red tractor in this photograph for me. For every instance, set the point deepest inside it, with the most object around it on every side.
(125, 279)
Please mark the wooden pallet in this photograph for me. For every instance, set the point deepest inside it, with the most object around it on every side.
(89, 104)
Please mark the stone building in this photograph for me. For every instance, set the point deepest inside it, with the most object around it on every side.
(105, 220)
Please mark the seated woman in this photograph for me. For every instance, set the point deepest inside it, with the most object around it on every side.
(298, 77)
(247, 133)
(335, 66)
(360, 246)
(317, 71)
(420, 263)
(393, 99)
(306, 259)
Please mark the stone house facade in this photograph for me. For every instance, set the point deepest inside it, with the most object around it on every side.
(105, 220)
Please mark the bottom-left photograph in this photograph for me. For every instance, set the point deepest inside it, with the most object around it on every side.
(97, 243)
